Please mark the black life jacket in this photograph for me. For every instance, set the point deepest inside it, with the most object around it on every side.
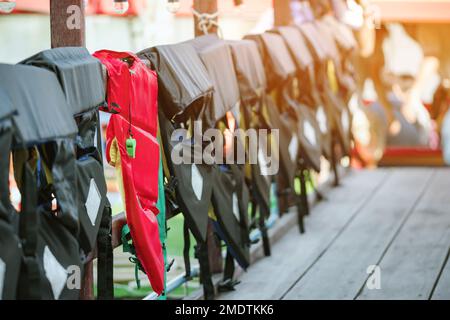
(44, 166)
(216, 57)
(252, 86)
(230, 194)
(324, 50)
(345, 43)
(277, 118)
(10, 246)
(308, 93)
(80, 76)
(309, 134)
(185, 92)
(306, 144)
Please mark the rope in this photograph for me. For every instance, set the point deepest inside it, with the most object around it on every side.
(206, 21)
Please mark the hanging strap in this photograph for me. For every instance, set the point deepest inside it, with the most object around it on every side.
(29, 286)
(128, 247)
(253, 223)
(105, 259)
(264, 234)
(229, 267)
(105, 263)
(201, 253)
(172, 209)
(187, 247)
(228, 284)
(99, 138)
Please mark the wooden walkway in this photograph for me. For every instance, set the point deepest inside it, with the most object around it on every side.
(396, 219)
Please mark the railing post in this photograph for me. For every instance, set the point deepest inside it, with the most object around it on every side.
(204, 6)
(67, 23)
(282, 12)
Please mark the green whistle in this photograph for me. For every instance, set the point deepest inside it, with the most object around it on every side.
(131, 147)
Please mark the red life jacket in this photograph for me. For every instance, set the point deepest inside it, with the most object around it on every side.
(132, 93)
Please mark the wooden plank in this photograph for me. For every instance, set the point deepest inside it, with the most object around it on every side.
(283, 225)
(442, 290)
(271, 277)
(341, 271)
(413, 262)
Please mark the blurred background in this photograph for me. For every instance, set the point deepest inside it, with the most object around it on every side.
(149, 22)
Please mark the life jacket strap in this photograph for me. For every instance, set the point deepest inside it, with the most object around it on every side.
(128, 247)
(30, 283)
(105, 262)
(228, 284)
(186, 249)
(201, 253)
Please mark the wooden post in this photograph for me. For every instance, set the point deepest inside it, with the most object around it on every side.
(214, 249)
(282, 12)
(204, 6)
(67, 22)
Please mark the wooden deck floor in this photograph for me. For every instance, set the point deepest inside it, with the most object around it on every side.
(396, 219)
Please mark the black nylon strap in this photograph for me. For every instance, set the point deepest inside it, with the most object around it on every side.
(263, 212)
(105, 257)
(303, 191)
(201, 251)
(254, 203)
(99, 137)
(187, 246)
(228, 284)
(302, 200)
(334, 159)
(29, 284)
(264, 234)
(228, 273)
(30, 280)
(29, 218)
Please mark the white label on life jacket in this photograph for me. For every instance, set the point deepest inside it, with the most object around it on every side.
(197, 182)
(93, 202)
(293, 148)
(236, 207)
(309, 132)
(2, 276)
(55, 273)
(322, 119)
